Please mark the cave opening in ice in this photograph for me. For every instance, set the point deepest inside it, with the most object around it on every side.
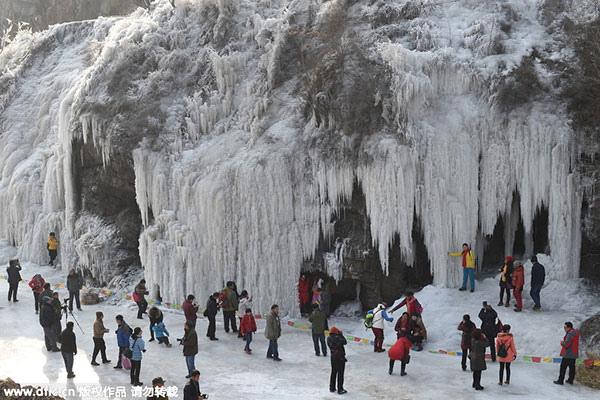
(494, 253)
(509, 237)
(352, 260)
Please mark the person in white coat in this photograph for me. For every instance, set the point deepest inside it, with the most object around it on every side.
(379, 315)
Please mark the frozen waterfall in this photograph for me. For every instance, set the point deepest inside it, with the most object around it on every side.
(238, 184)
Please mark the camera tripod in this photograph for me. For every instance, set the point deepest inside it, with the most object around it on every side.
(67, 311)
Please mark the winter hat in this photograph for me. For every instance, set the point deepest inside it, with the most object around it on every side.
(334, 330)
(46, 299)
(509, 258)
(158, 381)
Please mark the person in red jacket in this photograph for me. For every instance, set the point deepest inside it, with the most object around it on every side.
(518, 280)
(37, 286)
(466, 327)
(248, 327)
(569, 352)
(413, 307)
(400, 351)
(402, 327)
(303, 293)
(190, 308)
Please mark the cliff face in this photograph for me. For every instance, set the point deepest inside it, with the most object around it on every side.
(42, 13)
(241, 140)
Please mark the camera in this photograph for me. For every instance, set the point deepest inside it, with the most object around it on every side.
(205, 396)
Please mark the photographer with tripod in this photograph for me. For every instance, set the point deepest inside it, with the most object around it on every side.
(57, 307)
(48, 321)
(74, 285)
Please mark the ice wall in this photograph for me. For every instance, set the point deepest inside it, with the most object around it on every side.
(240, 184)
(40, 74)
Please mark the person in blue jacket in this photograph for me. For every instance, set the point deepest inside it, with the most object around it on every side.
(162, 334)
(538, 276)
(123, 332)
(136, 344)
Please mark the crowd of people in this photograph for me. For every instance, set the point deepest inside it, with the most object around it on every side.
(314, 301)
(411, 332)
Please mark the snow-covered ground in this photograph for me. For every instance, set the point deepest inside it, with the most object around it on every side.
(229, 373)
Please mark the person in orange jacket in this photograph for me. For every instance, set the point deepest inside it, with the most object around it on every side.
(52, 247)
(518, 280)
(400, 351)
(506, 338)
(468, 264)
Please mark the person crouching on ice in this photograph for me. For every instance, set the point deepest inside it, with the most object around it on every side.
(162, 334)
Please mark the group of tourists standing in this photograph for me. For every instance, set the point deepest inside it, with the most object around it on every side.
(512, 278)
(314, 296)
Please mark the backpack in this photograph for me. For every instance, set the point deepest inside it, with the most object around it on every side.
(128, 353)
(135, 296)
(223, 299)
(502, 351)
(369, 320)
(38, 280)
(499, 325)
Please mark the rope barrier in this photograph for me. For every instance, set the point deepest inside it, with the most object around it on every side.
(349, 338)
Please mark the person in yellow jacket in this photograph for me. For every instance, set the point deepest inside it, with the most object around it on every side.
(468, 264)
(52, 247)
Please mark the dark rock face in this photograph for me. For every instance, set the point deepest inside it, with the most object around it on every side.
(590, 333)
(590, 241)
(361, 262)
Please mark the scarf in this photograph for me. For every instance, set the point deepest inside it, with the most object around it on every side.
(465, 252)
